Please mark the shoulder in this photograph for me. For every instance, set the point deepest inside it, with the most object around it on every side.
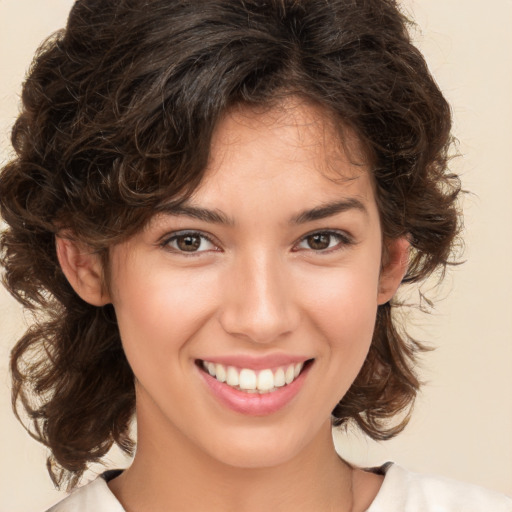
(92, 497)
(404, 490)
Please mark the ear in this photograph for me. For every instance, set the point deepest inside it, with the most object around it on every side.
(83, 269)
(395, 261)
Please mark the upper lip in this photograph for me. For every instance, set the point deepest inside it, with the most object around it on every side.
(256, 362)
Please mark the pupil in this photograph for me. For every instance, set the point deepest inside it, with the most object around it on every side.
(189, 243)
(319, 242)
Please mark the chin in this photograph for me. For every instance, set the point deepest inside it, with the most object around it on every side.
(256, 457)
(261, 448)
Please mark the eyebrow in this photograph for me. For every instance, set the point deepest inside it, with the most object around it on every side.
(196, 212)
(218, 217)
(328, 210)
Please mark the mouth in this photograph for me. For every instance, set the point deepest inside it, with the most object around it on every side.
(248, 380)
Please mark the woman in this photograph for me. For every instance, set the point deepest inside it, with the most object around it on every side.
(212, 206)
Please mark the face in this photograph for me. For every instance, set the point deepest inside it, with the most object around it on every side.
(247, 313)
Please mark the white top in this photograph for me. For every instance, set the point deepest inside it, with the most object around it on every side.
(402, 491)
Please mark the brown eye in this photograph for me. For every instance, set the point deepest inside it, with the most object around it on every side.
(324, 241)
(319, 241)
(189, 242)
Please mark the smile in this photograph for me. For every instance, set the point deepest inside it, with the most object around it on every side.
(245, 379)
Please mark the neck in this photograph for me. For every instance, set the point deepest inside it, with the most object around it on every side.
(170, 473)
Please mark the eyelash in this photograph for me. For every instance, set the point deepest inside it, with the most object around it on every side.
(183, 234)
(343, 241)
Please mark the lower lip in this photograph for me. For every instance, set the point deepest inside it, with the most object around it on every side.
(254, 404)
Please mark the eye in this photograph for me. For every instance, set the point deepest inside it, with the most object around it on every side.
(189, 242)
(324, 241)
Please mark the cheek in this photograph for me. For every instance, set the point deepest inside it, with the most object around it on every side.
(158, 312)
(341, 306)
(342, 298)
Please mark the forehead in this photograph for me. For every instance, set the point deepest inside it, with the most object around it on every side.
(283, 166)
(292, 147)
(293, 130)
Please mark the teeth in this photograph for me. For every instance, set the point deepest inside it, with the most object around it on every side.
(289, 374)
(265, 380)
(232, 377)
(220, 373)
(211, 369)
(279, 380)
(245, 379)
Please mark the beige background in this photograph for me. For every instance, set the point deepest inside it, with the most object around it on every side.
(462, 425)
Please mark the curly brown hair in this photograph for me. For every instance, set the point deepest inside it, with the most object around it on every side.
(118, 112)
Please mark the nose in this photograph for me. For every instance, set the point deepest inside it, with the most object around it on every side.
(258, 300)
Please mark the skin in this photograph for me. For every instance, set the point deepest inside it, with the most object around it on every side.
(259, 286)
